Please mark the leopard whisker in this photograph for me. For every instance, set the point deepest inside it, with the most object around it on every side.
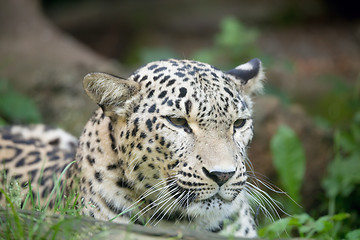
(158, 202)
(149, 192)
(271, 187)
(259, 201)
(152, 206)
(165, 211)
(132, 163)
(181, 201)
(182, 198)
(263, 199)
(158, 208)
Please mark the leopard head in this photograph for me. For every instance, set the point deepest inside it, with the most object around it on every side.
(180, 129)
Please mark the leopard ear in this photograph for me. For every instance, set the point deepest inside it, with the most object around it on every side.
(251, 76)
(110, 92)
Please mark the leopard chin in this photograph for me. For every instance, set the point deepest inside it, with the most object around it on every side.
(215, 208)
(219, 197)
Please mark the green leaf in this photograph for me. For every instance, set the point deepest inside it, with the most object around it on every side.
(274, 229)
(340, 216)
(305, 225)
(2, 122)
(234, 44)
(323, 224)
(15, 107)
(303, 218)
(289, 160)
(234, 33)
(344, 177)
(353, 235)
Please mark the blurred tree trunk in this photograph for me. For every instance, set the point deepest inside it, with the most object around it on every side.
(46, 64)
(18, 11)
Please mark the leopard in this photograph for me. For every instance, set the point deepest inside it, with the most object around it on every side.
(167, 146)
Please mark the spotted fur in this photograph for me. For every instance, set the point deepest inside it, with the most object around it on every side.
(34, 153)
(168, 145)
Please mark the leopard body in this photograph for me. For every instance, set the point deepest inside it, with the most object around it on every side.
(167, 145)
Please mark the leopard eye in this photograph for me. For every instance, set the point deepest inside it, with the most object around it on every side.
(239, 123)
(177, 122)
(180, 123)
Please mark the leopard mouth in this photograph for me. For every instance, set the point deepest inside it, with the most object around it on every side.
(184, 196)
(217, 197)
(187, 196)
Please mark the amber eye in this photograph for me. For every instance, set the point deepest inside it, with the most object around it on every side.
(239, 123)
(177, 122)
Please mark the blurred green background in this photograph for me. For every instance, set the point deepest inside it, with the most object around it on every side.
(307, 123)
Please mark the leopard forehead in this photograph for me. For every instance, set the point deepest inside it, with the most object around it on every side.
(181, 86)
(172, 73)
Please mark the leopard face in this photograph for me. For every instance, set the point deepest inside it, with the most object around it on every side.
(169, 144)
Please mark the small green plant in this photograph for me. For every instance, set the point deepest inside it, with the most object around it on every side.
(303, 225)
(341, 185)
(234, 44)
(16, 107)
(289, 161)
(337, 107)
(343, 177)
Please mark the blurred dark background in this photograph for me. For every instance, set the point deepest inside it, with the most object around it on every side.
(310, 49)
(117, 29)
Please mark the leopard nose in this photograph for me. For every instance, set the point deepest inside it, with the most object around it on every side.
(217, 176)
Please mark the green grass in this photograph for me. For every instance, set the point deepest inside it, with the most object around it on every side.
(18, 223)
